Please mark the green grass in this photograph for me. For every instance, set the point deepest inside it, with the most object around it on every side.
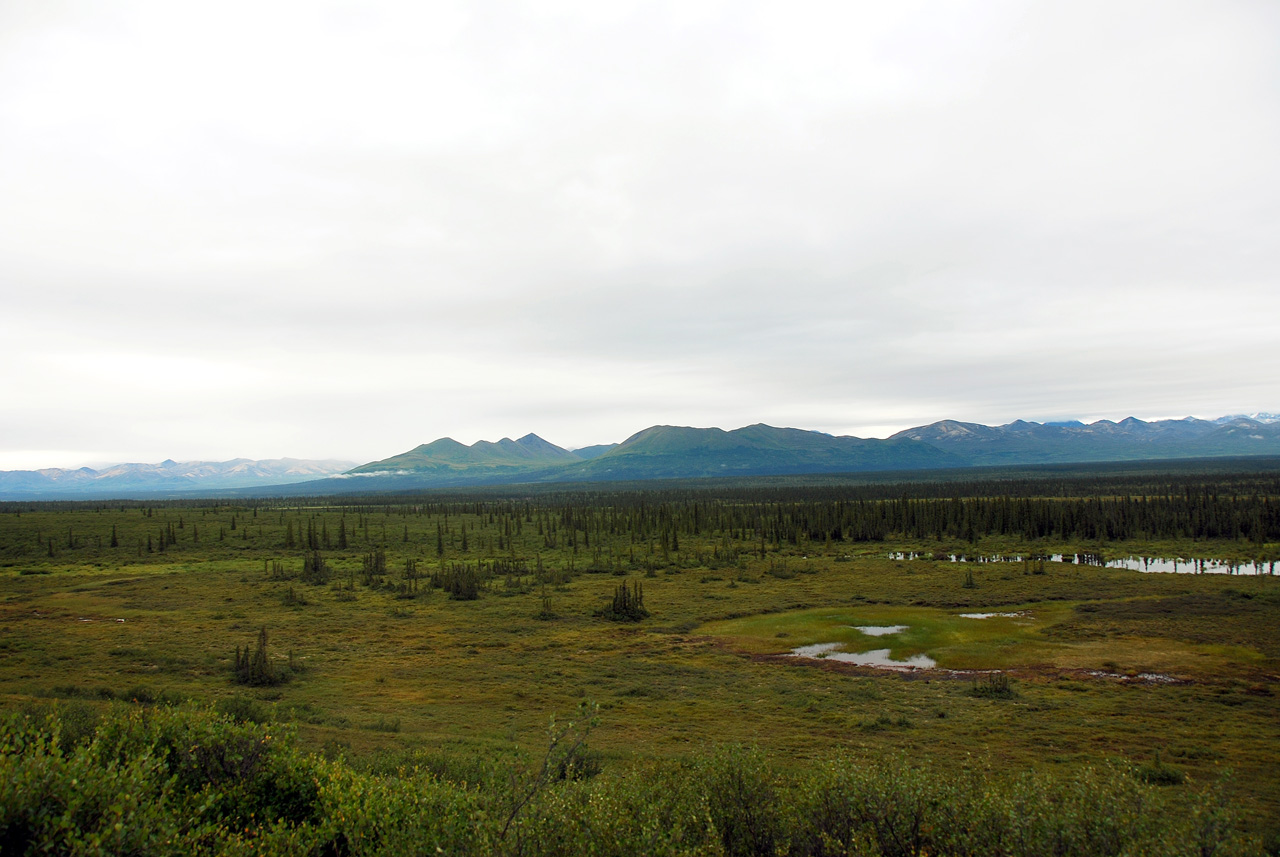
(1036, 636)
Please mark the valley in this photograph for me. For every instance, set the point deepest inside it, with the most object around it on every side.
(452, 626)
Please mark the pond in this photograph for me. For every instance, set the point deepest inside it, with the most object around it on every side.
(879, 630)
(1132, 563)
(876, 658)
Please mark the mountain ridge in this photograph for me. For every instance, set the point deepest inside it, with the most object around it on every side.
(1022, 442)
(167, 476)
(448, 454)
(676, 452)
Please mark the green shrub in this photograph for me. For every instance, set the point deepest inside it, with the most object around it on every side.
(54, 800)
(245, 709)
(1157, 773)
(184, 780)
(256, 669)
(742, 800)
(995, 686)
(627, 604)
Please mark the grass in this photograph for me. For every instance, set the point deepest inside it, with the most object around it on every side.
(385, 673)
(1040, 635)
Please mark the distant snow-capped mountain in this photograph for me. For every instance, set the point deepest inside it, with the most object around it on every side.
(671, 452)
(1023, 442)
(168, 476)
(1257, 418)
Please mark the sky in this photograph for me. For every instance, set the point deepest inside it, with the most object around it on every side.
(342, 229)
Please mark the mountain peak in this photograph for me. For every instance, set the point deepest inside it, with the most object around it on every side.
(447, 455)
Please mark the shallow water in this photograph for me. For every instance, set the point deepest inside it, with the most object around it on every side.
(1132, 563)
(988, 615)
(879, 630)
(876, 658)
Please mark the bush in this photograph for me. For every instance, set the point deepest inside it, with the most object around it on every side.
(1157, 773)
(244, 709)
(183, 780)
(994, 686)
(627, 605)
(74, 803)
(255, 668)
(742, 801)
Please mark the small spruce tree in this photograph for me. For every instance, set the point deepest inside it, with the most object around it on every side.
(627, 605)
(254, 667)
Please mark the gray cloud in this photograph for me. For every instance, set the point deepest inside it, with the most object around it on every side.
(344, 229)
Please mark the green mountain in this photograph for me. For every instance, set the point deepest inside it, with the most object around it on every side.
(446, 457)
(1130, 439)
(660, 452)
(588, 452)
(681, 452)
(677, 452)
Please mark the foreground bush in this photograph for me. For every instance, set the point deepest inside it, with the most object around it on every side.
(190, 781)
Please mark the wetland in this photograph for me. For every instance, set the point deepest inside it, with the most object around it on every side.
(453, 628)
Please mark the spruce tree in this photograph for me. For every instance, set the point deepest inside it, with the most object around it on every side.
(628, 604)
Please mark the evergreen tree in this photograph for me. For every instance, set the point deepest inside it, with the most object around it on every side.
(628, 604)
(314, 569)
(254, 667)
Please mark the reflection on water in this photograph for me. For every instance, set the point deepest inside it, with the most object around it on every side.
(989, 615)
(878, 630)
(877, 658)
(1133, 563)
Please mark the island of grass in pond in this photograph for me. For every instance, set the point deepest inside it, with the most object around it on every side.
(1022, 636)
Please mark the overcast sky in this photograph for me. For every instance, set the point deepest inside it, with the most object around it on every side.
(323, 229)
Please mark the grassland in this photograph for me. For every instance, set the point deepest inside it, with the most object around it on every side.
(384, 661)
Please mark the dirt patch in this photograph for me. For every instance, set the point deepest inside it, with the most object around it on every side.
(1040, 673)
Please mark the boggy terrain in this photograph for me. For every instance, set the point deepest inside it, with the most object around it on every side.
(445, 632)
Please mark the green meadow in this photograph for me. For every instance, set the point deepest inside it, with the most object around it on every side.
(458, 627)
(1015, 637)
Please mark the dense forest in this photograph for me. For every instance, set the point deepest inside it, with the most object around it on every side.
(606, 526)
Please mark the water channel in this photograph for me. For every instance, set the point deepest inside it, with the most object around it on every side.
(1133, 563)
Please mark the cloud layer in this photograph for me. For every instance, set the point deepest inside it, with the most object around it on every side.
(341, 229)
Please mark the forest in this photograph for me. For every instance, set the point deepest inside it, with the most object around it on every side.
(572, 671)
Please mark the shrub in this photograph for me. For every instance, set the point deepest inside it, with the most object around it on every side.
(627, 605)
(315, 570)
(995, 686)
(184, 780)
(742, 801)
(74, 803)
(1157, 773)
(255, 668)
(244, 709)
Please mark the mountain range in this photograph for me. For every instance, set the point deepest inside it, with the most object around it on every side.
(674, 452)
(167, 477)
(1130, 439)
(658, 452)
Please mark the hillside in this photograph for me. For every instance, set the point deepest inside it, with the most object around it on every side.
(673, 452)
(446, 455)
